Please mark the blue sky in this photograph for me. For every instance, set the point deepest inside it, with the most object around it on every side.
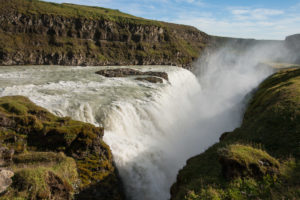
(260, 19)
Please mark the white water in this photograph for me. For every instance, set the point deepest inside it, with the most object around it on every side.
(152, 129)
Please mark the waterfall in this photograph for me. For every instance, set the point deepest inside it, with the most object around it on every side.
(141, 120)
(152, 129)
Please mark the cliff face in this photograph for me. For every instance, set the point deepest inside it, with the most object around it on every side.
(292, 42)
(259, 160)
(34, 32)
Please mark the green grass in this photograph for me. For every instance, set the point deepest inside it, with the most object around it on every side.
(31, 179)
(36, 7)
(259, 160)
(246, 155)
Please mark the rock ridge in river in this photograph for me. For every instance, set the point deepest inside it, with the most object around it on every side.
(152, 76)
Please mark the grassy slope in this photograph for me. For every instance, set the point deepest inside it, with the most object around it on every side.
(69, 10)
(270, 133)
(31, 130)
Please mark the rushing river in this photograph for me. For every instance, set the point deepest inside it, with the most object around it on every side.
(151, 128)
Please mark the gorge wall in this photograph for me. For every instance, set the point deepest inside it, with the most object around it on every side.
(34, 32)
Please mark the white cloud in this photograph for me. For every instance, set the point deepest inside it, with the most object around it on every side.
(239, 11)
(256, 23)
(258, 13)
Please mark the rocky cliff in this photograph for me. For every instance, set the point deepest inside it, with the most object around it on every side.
(35, 32)
(292, 42)
(259, 160)
(51, 157)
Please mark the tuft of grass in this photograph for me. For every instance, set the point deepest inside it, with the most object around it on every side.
(248, 157)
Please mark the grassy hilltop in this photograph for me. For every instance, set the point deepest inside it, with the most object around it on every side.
(259, 160)
(69, 10)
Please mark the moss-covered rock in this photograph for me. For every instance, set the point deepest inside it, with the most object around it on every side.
(55, 156)
(259, 160)
(242, 161)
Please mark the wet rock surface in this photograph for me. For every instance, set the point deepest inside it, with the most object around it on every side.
(151, 79)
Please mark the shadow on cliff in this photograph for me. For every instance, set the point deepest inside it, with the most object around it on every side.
(108, 188)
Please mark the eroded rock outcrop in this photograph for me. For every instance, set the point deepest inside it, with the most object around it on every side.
(54, 157)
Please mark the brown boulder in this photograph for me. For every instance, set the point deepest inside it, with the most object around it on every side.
(5, 179)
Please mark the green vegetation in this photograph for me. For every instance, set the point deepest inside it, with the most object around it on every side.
(51, 151)
(34, 172)
(37, 7)
(259, 160)
(242, 160)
